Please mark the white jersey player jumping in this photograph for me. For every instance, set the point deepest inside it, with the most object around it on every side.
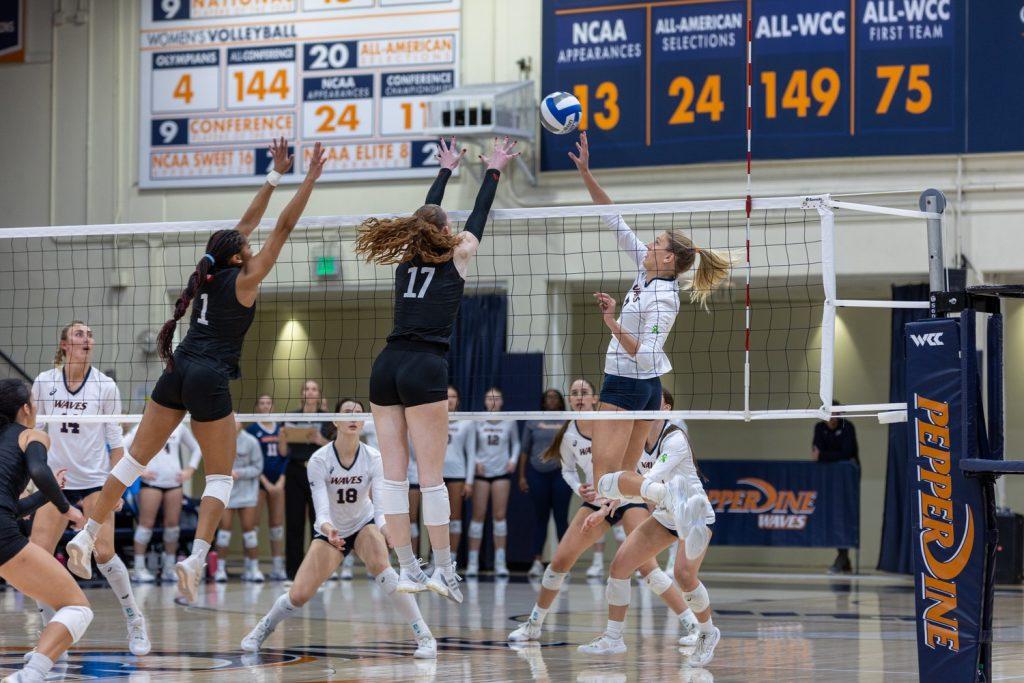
(682, 515)
(86, 451)
(346, 478)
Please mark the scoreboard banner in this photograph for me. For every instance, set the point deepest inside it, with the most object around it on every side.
(221, 78)
(664, 82)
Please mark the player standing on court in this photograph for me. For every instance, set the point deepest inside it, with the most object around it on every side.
(222, 292)
(75, 388)
(409, 379)
(272, 482)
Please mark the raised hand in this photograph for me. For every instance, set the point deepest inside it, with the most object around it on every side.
(606, 304)
(594, 518)
(501, 154)
(316, 162)
(582, 157)
(450, 156)
(279, 153)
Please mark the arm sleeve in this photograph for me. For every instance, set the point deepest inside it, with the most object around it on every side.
(112, 406)
(377, 493)
(195, 454)
(30, 503)
(42, 476)
(657, 320)
(627, 239)
(436, 193)
(569, 472)
(470, 438)
(513, 441)
(484, 199)
(318, 487)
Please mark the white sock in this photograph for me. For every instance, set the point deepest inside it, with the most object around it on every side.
(169, 560)
(406, 558)
(538, 614)
(282, 609)
(252, 564)
(39, 663)
(200, 549)
(474, 557)
(117, 576)
(443, 558)
(140, 561)
(499, 556)
(705, 626)
(349, 561)
(93, 527)
(614, 629)
(598, 558)
(279, 564)
(45, 613)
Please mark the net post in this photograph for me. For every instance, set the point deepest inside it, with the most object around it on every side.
(933, 201)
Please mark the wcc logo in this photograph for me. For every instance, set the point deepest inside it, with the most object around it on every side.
(946, 533)
(933, 339)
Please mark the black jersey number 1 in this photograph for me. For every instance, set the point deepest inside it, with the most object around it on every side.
(205, 298)
(411, 292)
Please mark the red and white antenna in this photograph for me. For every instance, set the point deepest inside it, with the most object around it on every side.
(749, 205)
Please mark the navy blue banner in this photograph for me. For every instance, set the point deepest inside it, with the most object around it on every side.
(784, 503)
(12, 31)
(664, 82)
(949, 550)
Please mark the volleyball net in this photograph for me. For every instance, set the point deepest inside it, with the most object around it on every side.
(765, 349)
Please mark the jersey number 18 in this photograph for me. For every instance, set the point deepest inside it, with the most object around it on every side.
(347, 496)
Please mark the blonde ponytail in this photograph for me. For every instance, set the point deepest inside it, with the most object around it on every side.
(711, 271)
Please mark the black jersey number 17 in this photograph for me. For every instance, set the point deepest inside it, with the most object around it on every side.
(411, 292)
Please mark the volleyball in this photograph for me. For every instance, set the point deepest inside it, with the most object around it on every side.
(560, 113)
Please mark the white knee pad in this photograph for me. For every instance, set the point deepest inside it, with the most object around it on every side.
(436, 510)
(658, 581)
(127, 470)
(143, 535)
(251, 539)
(219, 486)
(455, 526)
(172, 534)
(698, 599)
(276, 533)
(608, 485)
(76, 620)
(387, 579)
(617, 592)
(394, 499)
(223, 538)
(553, 580)
(501, 528)
(476, 529)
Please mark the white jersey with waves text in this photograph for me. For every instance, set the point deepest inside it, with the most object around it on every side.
(493, 446)
(341, 495)
(576, 454)
(81, 447)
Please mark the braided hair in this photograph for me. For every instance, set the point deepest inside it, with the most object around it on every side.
(221, 246)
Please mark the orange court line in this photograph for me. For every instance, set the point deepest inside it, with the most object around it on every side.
(297, 21)
(635, 5)
(389, 34)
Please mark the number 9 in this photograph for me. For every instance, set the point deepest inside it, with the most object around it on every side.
(168, 129)
(170, 7)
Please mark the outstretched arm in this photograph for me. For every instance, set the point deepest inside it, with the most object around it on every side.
(449, 157)
(474, 231)
(254, 214)
(260, 264)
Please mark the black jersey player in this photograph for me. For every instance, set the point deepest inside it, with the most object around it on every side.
(409, 379)
(222, 292)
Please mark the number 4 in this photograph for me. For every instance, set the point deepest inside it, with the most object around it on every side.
(183, 91)
(410, 293)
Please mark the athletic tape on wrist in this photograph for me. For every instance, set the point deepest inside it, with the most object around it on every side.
(273, 178)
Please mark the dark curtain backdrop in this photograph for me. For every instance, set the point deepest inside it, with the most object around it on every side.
(895, 553)
(478, 347)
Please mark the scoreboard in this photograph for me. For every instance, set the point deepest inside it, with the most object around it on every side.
(221, 78)
(664, 81)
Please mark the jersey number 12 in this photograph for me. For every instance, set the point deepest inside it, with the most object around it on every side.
(411, 293)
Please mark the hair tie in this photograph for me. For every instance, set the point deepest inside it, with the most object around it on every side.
(213, 261)
(696, 250)
(209, 278)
